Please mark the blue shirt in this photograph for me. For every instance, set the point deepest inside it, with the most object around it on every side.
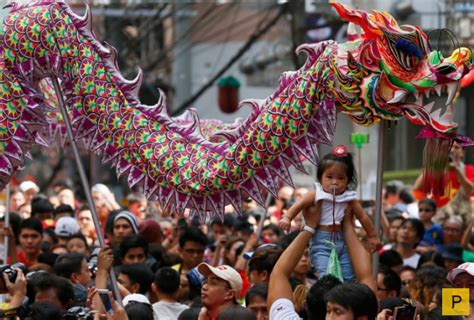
(433, 236)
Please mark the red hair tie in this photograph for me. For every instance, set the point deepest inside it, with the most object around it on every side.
(340, 151)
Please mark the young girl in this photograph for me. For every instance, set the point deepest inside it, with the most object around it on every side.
(333, 196)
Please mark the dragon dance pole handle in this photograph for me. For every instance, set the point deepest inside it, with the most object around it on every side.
(7, 222)
(378, 193)
(85, 183)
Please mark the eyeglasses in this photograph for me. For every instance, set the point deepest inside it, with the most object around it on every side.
(425, 210)
(215, 283)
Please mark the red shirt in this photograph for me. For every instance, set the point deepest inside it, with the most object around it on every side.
(452, 187)
(21, 258)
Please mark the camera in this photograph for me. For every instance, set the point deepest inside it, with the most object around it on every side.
(92, 264)
(78, 313)
(11, 272)
(194, 278)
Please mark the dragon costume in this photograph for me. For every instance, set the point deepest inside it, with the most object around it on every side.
(381, 73)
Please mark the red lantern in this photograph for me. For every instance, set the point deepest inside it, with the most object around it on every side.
(228, 94)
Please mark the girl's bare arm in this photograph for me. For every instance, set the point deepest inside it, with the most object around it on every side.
(305, 202)
(367, 224)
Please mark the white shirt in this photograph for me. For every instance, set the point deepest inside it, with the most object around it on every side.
(164, 310)
(283, 309)
(327, 205)
(412, 261)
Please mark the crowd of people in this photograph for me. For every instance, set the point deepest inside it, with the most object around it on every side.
(168, 266)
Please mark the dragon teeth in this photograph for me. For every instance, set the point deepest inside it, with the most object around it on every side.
(429, 107)
(419, 99)
(397, 96)
(438, 90)
(427, 94)
(452, 90)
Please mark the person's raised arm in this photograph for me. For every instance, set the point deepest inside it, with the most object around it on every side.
(367, 224)
(250, 245)
(279, 286)
(305, 202)
(360, 258)
(463, 180)
(105, 260)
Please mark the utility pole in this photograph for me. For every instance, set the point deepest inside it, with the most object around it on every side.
(182, 64)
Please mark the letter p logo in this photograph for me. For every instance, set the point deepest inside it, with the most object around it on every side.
(455, 302)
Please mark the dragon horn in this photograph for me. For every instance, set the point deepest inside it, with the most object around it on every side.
(352, 33)
(359, 17)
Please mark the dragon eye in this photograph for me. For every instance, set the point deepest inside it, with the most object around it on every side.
(446, 69)
(407, 49)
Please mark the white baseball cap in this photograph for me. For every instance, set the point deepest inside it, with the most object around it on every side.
(135, 297)
(66, 227)
(467, 267)
(27, 185)
(223, 272)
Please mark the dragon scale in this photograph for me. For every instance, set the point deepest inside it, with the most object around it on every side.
(171, 159)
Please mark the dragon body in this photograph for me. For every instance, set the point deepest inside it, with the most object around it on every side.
(378, 74)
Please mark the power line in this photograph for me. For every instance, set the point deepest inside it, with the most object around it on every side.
(253, 38)
(211, 35)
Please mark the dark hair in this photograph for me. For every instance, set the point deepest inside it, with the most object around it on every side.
(78, 236)
(133, 241)
(391, 280)
(138, 310)
(43, 310)
(69, 263)
(15, 221)
(397, 216)
(329, 160)
(193, 234)
(48, 258)
(265, 258)
(408, 268)
(257, 290)
(390, 258)
(64, 208)
(61, 185)
(62, 286)
(138, 273)
(274, 228)
(41, 205)
(418, 226)
(236, 312)
(315, 304)
(359, 298)
(109, 223)
(429, 202)
(189, 314)
(50, 233)
(33, 224)
(406, 196)
(83, 208)
(424, 285)
(228, 221)
(167, 280)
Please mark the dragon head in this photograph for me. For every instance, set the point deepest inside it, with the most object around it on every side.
(388, 71)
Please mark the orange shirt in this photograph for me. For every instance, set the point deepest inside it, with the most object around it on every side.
(452, 187)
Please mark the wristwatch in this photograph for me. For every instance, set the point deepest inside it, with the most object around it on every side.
(309, 229)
